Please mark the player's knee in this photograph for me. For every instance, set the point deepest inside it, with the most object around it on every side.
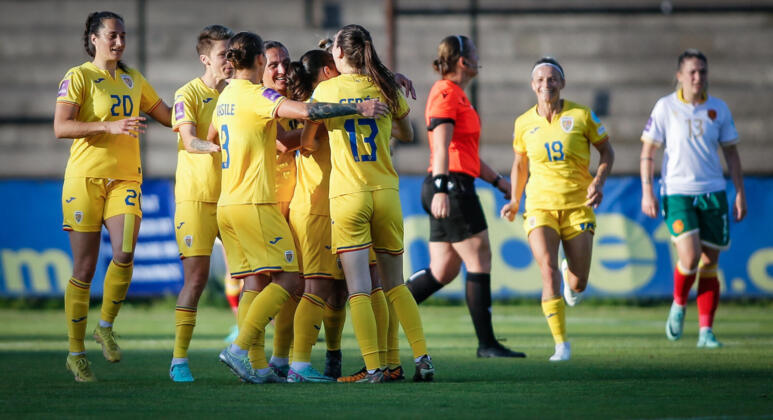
(85, 272)
(123, 257)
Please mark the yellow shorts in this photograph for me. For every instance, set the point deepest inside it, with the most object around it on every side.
(257, 239)
(312, 233)
(568, 223)
(88, 202)
(367, 218)
(195, 225)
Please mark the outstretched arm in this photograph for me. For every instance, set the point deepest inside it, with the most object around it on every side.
(323, 110)
(194, 144)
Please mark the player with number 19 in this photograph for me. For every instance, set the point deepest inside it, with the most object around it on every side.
(98, 106)
(552, 143)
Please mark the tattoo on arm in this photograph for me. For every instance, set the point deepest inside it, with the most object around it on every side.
(200, 145)
(320, 111)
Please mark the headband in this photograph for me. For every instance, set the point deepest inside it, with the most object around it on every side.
(561, 72)
(461, 44)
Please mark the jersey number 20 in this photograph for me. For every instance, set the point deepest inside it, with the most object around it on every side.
(125, 102)
(371, 139)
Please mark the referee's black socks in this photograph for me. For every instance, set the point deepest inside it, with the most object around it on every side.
(423, 284)
(478, 294)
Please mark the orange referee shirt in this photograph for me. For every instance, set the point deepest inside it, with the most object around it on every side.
(447, 102)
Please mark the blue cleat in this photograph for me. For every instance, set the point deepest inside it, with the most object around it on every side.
(706, 340)
(307, 374)
(181, 373)
(240, 366)
(280, 370)
(675, 322)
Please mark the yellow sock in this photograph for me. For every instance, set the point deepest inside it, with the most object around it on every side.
(184, 321)
(364, 323)
(117, 280)
(262, 310)
(408, 313)
(393, 340)
(381, 312)
(283, 328)
(334, 320)
(257, 351)
(556, 317)
(244, 305)
(308, 320)
(76, 308)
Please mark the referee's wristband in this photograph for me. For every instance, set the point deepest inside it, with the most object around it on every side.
(440, 183)
(495, 182)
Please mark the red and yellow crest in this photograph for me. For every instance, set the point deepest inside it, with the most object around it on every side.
(677, 226)
(712, 114)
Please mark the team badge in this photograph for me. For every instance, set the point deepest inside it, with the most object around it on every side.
(179, 110)
(677, 226)
(128, 80)
(712, 114)
(63, 88)
(567, 123)
(188, 239)
(532, 221)
(78, 216)
(289, 255)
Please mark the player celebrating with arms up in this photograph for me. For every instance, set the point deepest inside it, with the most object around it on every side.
(254, 232)
(197, 185)
(98, 106)
(364, 199)
(693, 125)
(552, 151)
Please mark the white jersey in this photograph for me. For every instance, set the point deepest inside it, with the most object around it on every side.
(692, 135)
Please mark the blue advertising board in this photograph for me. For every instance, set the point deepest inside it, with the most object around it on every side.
(632, 255)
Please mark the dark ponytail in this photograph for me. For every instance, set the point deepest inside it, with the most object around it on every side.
(242, 50)
(303, 74)
(357, 46)
(93, 25)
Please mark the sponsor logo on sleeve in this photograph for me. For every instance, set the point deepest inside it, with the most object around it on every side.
(63, 87)
(601, 130)
(271, 94)
(648, 125)
(179, 110)
(567, 123)
(128, 80)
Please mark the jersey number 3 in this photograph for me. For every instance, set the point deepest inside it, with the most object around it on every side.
(371, 139)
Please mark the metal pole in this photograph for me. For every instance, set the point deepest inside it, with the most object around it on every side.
(389, 6)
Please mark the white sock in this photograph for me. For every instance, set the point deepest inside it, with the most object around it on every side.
(236, 350)
(418, 359)
(705, 329)
(105, 324)
(279, 361)
(296, 366)
(179, 360)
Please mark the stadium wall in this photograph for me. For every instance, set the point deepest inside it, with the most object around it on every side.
(632, 256)
(620, 61)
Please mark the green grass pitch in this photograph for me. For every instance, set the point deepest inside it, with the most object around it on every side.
(622, 367)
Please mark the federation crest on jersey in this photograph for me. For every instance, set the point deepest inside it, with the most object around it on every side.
(289, 256)
(712, 113)
(78, 216)
(188, 239)
(128, 80)
(567, 123)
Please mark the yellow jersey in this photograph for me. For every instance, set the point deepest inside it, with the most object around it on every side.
(198, 175)
(313, 186)
(285, 166)
(245, 120)
(359, 146)
(559, 155)
(101, 97)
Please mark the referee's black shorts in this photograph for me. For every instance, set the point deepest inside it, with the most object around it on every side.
(465, 214)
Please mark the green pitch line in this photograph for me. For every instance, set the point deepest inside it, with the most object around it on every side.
(622, 366)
